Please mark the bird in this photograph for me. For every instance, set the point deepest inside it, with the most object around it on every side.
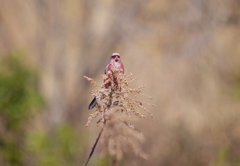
(114, 62)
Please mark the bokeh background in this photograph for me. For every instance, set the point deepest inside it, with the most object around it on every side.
(186, 52)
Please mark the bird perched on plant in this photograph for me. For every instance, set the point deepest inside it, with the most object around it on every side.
(114, 62)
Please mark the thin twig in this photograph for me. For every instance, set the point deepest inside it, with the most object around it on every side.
(114, 161)
(93, 148)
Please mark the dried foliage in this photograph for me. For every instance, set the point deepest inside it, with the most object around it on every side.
(116, 108)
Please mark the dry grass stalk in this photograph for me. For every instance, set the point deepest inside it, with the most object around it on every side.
(116, 108)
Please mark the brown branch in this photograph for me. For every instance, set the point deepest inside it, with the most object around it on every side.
(114, 161)
(93, 148)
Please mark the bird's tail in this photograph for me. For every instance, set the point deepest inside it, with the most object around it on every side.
(92, 104)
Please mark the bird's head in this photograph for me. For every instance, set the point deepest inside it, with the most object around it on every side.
(115, 57)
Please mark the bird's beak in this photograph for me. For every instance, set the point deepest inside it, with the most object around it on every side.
(116, 59)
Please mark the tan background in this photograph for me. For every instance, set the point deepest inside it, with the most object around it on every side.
(186, 52)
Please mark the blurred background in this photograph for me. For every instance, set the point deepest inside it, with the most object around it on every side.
(186, 52)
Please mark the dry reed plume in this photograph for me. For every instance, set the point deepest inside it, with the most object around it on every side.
(116, 108)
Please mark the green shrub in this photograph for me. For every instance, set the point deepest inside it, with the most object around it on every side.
(19, 98)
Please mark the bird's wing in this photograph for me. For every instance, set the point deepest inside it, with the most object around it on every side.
(105, 71)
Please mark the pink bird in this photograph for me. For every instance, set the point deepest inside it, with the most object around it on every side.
(114, 62)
